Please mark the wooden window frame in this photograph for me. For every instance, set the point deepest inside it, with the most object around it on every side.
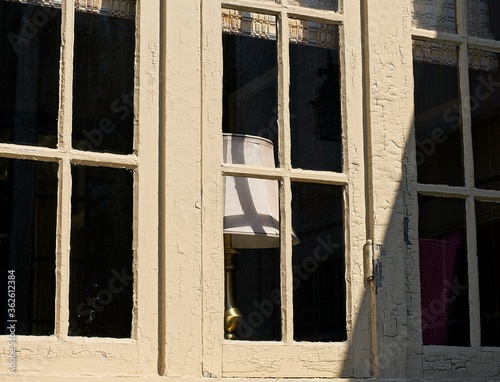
(138, 355)
(285, 358)
(483, 361)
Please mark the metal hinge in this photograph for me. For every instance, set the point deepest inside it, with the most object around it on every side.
(373, 264)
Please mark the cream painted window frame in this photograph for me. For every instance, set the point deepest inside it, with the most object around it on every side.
(59, 353)
(482, 360)
(286, 358)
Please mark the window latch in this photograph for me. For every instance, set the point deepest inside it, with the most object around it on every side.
(373, 264)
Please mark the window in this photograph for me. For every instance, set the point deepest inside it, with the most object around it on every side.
(78, 155)
(283, 77)
(456, 111)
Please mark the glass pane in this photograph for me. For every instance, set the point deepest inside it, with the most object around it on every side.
(257, 294)
(443, 271)
(101, 252)
(250, 93)
(319, 297)
(436, 15)
(488, 231)
(328, 5)
(484, 80)
(30, 40)
(103, 84)
(251, 226)
(28, 206)
(315, 111)
(437, 114)
(482, 18)
(117, 8)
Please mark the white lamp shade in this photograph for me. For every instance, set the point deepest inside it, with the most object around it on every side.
(251, 205)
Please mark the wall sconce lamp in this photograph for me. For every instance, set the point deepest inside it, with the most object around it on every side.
(251, 212)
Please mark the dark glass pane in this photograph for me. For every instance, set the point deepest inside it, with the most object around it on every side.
(315, 108)
(484, 81)
(488, 230)
(250, 101)
(329, 5)
(319, 297)
(437, 123)
(101, 252)
(28, 205)
(30, 40)
(257, 294)
(482, 18)
(443, 271)
(103, 84)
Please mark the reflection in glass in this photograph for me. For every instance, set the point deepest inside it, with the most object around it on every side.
(319, 294)
(437, 114)
(328, 5)
(488, 229)
(484, 79)
(30, 39)
(28, 205)
(250, 93)
(315, 111)
(482, 18)
(101, 252)
(103, 83)
(443, 271)
(435, 15)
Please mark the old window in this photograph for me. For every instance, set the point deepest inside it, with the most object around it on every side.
(283, 76)
(73, 179)
(456, 116)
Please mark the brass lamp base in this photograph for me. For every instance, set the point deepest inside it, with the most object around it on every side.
(232, 315)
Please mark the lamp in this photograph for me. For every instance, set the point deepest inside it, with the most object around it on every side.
(251, 212)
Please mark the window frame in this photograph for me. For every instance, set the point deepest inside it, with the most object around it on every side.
(285, 358)
(137, 355)
(487, 358)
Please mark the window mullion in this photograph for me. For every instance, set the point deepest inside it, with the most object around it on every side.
(461, 8)
(286, 261)
(64, 174)
(66, 76)
(473, 275)
(463, 65)
(63, 249)
(285, 189)
(283, 36)
(465, 111)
